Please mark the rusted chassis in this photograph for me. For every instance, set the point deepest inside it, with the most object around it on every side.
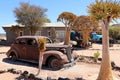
(26, 48)
(62, 58)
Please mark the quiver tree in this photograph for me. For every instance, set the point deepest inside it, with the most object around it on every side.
(31, 16)
(105, 12)
(85, 25)
(42, 48)
(67, 19)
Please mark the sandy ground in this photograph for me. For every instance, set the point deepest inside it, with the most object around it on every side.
(2, 37)
(80, 70)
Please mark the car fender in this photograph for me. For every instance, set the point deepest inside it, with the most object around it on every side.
(10, 51)
(56, 54)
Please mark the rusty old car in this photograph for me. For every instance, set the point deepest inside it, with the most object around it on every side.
(26, 48)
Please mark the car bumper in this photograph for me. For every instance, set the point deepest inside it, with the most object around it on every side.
(70, 64)
(72, 61)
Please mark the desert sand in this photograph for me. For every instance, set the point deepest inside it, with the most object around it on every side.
(81, 70)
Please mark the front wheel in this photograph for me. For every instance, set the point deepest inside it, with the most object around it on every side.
(54, 63)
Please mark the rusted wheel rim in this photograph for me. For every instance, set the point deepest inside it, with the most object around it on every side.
(55, 63)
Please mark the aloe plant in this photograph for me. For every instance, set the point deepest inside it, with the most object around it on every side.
(42, 48)
(96, 55)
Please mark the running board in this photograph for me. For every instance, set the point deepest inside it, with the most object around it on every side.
(31, 61)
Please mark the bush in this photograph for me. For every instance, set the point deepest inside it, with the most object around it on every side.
(96, 55)
(114, 32)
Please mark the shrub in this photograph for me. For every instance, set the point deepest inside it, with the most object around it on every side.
(96, 55)
(114, 33)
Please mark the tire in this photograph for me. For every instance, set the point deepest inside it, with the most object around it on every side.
(54, 63)
(13, 57)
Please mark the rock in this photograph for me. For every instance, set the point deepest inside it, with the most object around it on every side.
(18, 72)
(117, 68)
(2, 71)
(25, 74)
(113, 64)
(99, 59)
(63, 78)
(48, 78)
(31, 76)
(10, 70)
(38, 78)
(14, 72)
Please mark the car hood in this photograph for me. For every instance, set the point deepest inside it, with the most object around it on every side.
(100, 36)
(60, 45)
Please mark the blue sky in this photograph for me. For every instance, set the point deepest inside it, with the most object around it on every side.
(55, 7)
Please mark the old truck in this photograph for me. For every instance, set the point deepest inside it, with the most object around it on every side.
(96, 37)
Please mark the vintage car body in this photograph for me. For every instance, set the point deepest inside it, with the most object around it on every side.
(26, 48)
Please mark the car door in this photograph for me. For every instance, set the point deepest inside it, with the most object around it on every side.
(32, 51)
(20, 47)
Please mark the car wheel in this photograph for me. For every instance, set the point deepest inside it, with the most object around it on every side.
(13, 57)
(54, 63)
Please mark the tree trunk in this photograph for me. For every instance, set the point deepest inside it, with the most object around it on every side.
(66, 42)
(105, 70)
(40, 62)
(85, 37)
(67, 36)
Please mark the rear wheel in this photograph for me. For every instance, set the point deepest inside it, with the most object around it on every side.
(13, 57)
(54, 63)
